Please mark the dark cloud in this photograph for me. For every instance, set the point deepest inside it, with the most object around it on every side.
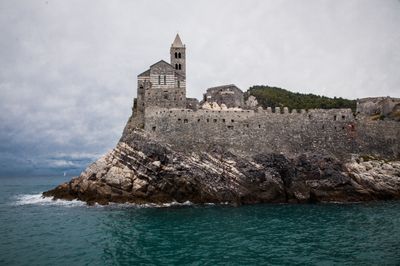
(68, 68)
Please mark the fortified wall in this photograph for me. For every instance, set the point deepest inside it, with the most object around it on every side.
(249, 132)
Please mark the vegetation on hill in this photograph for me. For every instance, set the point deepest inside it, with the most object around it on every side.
(277, 97)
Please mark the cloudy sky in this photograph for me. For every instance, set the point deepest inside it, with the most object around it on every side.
(68, 68)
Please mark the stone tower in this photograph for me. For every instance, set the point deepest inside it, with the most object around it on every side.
(178, 56)
(163, 85)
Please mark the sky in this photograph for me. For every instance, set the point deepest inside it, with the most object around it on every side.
(68, 68)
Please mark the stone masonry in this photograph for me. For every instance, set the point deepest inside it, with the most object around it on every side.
(222, 120)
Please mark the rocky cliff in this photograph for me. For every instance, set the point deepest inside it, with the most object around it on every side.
(142, 169)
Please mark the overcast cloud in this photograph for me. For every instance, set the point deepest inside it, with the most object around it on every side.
(68, 68)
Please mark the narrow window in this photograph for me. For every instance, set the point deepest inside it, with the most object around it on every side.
(323, 126)
(179, 84)
(343, 117)
(208, 120)
(176, 55)
(247, 125)
(334, 117)
(176, 66)
(198, 120)
(215, 120)
(180, 67)
(165, 80)
(223, 120)
(259, 126)
(153, 128)
(179, 55)
(185, 120)
(232, 120)
(230, 127)
(166, 97)
(179, 119)
(159, 79)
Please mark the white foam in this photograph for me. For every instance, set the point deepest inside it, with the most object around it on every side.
(38, 199)
(150, 205)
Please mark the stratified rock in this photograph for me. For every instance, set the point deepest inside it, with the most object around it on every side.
(143, 170)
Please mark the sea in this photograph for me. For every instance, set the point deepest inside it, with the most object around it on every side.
(40, 231)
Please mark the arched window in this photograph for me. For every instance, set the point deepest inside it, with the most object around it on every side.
(179, 55)
(165, 79)
(159, 79)
(176, 55)
(180, 67)
(176, 66)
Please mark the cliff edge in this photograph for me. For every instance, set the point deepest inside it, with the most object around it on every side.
(142, 170)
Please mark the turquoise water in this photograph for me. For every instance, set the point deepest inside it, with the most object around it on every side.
(34, 231)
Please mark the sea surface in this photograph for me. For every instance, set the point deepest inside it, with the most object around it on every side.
(37, 231)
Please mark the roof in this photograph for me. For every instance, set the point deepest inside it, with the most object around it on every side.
(177, 42)
(145, 74)
(161, 62)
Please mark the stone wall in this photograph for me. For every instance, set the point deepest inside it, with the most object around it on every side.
(248, 132)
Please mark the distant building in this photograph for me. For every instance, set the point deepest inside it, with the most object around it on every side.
(230, 95)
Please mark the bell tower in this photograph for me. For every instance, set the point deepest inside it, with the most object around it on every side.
(178, 56)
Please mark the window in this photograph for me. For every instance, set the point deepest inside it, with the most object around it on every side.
(166, 96)
(185, 120)
(179, 84)
(343, 117)
(223, 120)
(153, 128)
(176, 66)
(176, 55)
(230, 127)
(232, 120)
(334, 117)
(208, 120)
(180, 67)
(215, 120)
(179, 55)
(165, 79)
(159, 79)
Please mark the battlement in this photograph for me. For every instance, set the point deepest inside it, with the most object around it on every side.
(241, 114)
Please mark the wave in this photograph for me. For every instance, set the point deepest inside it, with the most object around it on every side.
(38, 199)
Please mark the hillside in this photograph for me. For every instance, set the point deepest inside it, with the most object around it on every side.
(277, 97)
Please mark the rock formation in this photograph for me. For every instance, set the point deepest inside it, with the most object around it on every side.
(143, 170)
